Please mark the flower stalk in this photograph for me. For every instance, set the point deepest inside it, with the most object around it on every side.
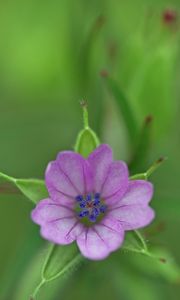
(150, 171)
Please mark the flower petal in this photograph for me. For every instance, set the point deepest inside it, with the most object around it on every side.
(139, 192)
(47, 210)
(58, 223)
(116, 182)
(100, 160)
(68, 176)
(62, 232)
(99, 241)
(112, 232)
(133, 216)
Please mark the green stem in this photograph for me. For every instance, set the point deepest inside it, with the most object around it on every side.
(139, 176)
(43, 280)
(75, 260)
(50, 252)
(8, 178)
(151, 170)
(85, 114)
(85, 118)
(143, 252)
(142, 240)
(155, 165)
(36, 291)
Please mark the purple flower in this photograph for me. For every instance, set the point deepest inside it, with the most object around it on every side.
(93, 202)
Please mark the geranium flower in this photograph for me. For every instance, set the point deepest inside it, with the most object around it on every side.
(93, 202)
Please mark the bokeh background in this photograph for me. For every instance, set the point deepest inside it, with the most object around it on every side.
(51, 56)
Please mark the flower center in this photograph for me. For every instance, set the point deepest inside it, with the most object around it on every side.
(90, 207)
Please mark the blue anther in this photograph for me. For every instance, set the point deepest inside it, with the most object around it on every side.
(79, 198)
(83, 213)
(82, 204)
(96, 202)
(103, 208)
(90, 206)
(97, 196)
(88, 197)
(95, 212)
(92, 218)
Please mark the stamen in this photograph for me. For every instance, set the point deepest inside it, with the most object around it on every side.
(79, 198)
(92, 218)
(103, 208)
(96, 202)
(88, 197)
(82, 204)
(97, 195)
(90, 206)
(83, 213)
(95, 212)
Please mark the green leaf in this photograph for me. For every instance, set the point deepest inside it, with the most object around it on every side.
(33, 189)
(142, 147)
(134, 242)
(87, 140)
(60, 261)
(87, 50)
(164, 265)
(154, 261)
(29, 279)
(124, 107)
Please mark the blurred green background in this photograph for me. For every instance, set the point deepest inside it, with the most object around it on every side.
(51, 56)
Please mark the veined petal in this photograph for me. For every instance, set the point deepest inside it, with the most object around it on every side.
(70, 175)
(63, 231)
(132, 216)
(99, 241)
(111, 231)
(77, 169)
(47, 210)
(116, 182)
(58, 223)
(138, 192)
(100, 160)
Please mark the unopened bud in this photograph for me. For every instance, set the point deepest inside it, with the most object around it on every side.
(169, 16)
(104, 73)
